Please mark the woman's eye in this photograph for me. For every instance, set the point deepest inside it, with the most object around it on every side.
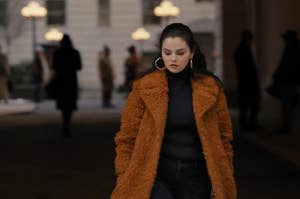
(180, 53)
(167, 53)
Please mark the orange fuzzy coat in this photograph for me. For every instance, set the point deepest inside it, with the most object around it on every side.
(139, 140)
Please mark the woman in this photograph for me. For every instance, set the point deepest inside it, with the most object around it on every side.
(175, 134)
(66, 63)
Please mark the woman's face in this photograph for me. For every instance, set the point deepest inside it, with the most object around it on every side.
(175, 53)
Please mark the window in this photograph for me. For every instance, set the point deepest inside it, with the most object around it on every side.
(104, 12)
(148, 15)
(3, 7)
(56, 12)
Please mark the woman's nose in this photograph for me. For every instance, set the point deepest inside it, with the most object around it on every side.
(173, 57)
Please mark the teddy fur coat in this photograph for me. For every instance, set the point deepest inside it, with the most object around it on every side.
(140, 138)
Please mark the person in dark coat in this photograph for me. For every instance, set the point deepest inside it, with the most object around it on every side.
(286, 81)
(66, 63)
(131, 65)
(4, 73)
(107, 77)
(249, 97)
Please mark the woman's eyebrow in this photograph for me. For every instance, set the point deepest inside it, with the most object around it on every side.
(181, 49)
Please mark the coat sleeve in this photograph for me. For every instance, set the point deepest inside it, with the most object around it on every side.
(225, 126)
(125, 139)
(78, 63)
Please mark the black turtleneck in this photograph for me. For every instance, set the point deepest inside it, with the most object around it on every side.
(181, 140)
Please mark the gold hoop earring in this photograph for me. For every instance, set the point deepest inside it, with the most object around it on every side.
(156, 66)
(191, 63)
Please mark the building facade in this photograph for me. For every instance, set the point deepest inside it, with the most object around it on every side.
(95, 23)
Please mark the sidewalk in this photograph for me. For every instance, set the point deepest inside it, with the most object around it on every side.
(89, 101)
(16, 106)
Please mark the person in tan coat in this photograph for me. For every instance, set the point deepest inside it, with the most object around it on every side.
(106, 74)
(175, 136)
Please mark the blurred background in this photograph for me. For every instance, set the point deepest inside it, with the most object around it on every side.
(37, 162)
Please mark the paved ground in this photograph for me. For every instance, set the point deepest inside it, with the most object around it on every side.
(261, 175)
(37, 164)
(287, 147)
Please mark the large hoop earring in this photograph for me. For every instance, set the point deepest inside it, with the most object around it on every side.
(191, 63)
(156, 66)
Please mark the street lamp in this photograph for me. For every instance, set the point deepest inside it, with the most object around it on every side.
(53, 35)
(33, 10)
(141, 35)
(166, 9)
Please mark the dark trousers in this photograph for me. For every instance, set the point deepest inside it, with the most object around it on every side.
(288, 109)
(249, 106)
(181, 180)
(66, 122)
(106, 97)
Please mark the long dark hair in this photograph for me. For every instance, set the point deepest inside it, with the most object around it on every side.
(184, 32)
(66, 41)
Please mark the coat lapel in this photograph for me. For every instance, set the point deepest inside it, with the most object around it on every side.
(204, 95)
(155, 96)
(154, 93)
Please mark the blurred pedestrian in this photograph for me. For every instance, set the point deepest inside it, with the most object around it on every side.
(107, 77)
(286, 81)
(248, 89)
(132, 63)
(66, 63)
(4, 73)
(39, 72)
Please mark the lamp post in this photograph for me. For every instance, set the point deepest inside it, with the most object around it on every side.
(53, 35)
(141, 35)
(33, 10)
(166, 9)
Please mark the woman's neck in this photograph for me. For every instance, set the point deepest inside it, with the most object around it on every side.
(183, 75)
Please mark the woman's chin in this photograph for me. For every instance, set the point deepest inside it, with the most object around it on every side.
(175, 70)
